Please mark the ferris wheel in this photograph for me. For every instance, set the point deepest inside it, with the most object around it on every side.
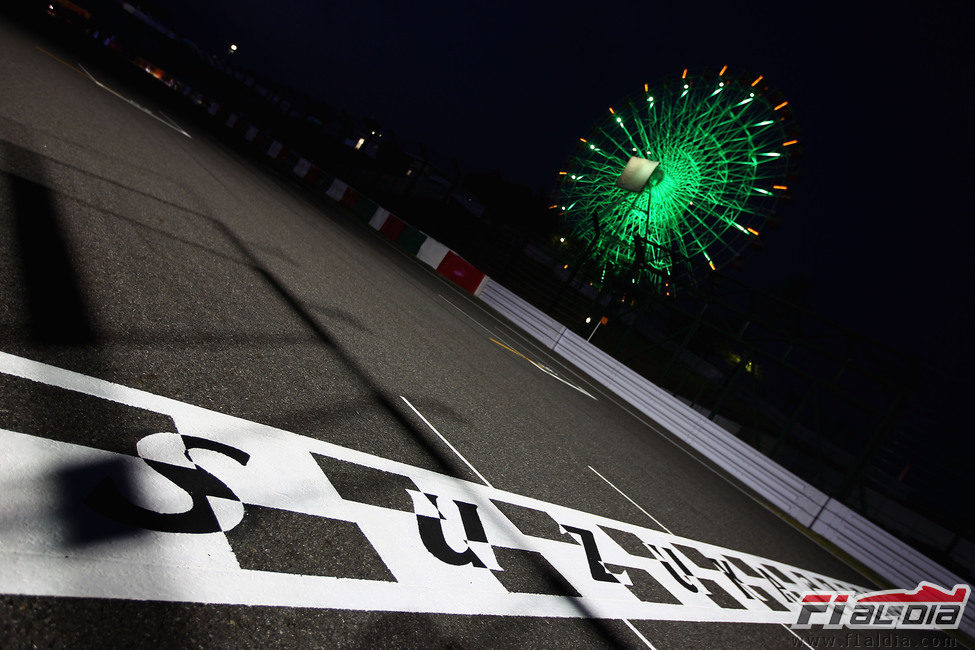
(679, 178)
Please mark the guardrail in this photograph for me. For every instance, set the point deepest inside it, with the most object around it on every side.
(439, 257)
(791, 494)
(892, 559)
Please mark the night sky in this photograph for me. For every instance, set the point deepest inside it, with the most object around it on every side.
(880, 224)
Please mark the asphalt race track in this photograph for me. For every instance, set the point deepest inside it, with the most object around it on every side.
(159, 292)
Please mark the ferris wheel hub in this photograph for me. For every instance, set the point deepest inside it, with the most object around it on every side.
(721, 149)
(637, 173)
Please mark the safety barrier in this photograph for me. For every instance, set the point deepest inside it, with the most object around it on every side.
(892, 559)
(774, 483)
(444, 261)
(882, 552)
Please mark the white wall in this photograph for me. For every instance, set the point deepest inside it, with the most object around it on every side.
(889, 557)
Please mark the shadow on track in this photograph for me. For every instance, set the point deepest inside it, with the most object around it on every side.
(447, 464)
(57, 308)
(57, 317)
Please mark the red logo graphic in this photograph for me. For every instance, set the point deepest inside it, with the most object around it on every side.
(927, 607)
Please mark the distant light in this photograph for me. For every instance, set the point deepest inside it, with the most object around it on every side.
(588, 319)
(233, 47)
(358, 145)
(565, 267)
(722, 71)
(755, 83)
(782, 105)
(374, 133)
(562, 239)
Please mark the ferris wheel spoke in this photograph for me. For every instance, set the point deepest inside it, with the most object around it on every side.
(722, 152)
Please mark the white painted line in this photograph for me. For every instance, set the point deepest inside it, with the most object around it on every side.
(656, 521)
(132, 103)
(631, 500)
(637, 632)
(498, 339)
(546, 370)
(424, 549)
(725, 476)
(447, 442)
(652, 425)
(628, 624)
(796, 635)
(171, 121)
(658, 428)
(533, 344)
(470, 318)
(662, 431)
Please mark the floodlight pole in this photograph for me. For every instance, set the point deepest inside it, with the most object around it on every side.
(598, 323)
(575, 267)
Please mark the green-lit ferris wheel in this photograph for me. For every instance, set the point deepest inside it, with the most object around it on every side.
(680, 177)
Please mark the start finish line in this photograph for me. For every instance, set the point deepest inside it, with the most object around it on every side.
(183, 511)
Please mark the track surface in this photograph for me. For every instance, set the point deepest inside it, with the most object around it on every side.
(133, 253)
